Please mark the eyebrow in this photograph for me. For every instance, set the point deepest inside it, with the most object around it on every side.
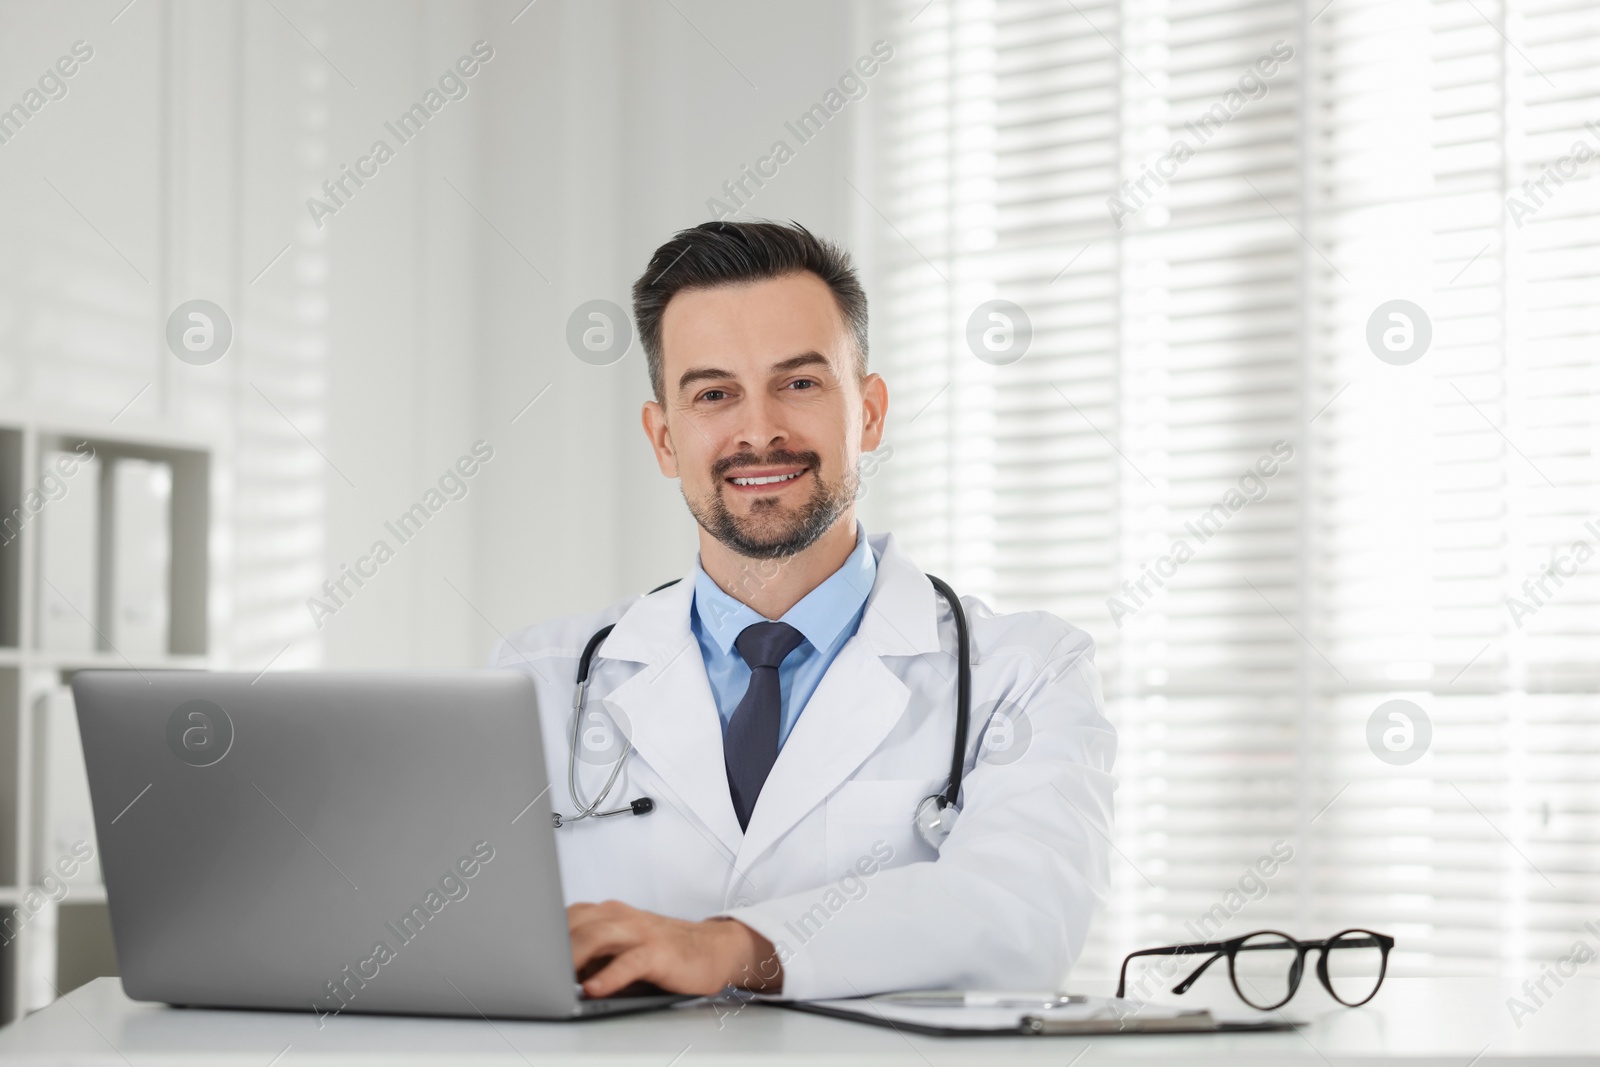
(702, 374)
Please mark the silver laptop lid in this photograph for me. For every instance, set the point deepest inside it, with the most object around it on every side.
(328, 841)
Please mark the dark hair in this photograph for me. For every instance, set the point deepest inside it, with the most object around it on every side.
(729, 253)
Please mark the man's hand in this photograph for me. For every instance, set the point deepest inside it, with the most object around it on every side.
(614, 945)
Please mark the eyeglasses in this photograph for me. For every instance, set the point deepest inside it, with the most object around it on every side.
(1266, 966)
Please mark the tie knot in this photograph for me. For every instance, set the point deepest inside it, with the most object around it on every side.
(765, 644)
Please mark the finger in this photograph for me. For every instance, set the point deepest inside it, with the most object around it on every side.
(590, 969)
(602, 937)
(627, 968)
(588, 907)
(582, 916)
(601, 925)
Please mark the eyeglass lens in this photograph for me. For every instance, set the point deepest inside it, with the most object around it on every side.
(1266, 970)
(1354, 966)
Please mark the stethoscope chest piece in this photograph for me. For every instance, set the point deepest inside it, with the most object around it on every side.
(935, 818)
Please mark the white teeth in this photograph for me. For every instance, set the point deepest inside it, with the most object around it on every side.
(769, 480)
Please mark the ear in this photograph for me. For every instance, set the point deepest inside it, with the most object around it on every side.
(874, 411)
(654, 419)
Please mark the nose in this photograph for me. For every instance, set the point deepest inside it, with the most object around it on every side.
(761, 426)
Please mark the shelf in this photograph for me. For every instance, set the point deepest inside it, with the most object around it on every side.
(74, 661)
(142, 433)
(11, 895)
(86, 661)
(38, 796)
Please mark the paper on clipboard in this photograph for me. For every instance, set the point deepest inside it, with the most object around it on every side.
(1084, 1015)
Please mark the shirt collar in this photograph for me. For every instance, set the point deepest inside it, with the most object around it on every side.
(819, 616)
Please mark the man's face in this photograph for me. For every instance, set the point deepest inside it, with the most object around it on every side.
(765, 417)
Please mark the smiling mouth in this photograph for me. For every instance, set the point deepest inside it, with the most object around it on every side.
(766, 479)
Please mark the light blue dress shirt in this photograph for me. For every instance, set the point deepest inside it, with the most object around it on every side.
(827, 617)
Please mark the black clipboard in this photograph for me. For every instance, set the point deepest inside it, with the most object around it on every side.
(1199, 1021)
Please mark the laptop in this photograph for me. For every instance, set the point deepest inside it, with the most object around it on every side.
(331, 842)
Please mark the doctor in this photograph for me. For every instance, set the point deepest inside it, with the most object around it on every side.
(793, 699)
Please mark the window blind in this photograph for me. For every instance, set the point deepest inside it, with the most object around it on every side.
(1270, 529)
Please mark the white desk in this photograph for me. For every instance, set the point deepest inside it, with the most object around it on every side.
(1453, 1021)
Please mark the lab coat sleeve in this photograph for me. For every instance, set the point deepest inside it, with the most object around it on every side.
(1008, 902)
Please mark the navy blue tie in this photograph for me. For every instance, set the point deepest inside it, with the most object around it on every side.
(750, 744)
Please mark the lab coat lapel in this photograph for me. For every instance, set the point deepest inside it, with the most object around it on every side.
(670, 713)
(854, 707)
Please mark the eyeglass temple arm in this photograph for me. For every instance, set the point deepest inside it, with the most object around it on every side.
(1183, 986)
(1169, 950)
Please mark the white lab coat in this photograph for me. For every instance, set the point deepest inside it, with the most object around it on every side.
(830, 869)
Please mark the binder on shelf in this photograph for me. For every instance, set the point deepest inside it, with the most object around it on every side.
(14, 516)
(68, 526)
(138, 556)
(65, 818)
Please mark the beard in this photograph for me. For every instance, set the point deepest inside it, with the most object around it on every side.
(773, 530)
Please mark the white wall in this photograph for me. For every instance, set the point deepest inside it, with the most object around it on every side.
(404, 343)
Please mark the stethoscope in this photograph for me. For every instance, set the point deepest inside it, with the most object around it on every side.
(935, 815)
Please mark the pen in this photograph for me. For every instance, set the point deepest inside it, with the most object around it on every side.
(941, 998)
